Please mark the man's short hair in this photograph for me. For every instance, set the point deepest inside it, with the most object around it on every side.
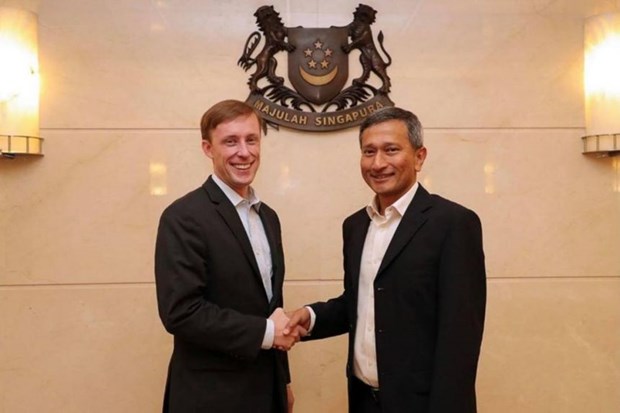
(414, 127)
(226, 111)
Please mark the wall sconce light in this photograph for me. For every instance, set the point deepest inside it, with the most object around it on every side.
(19, 84)
(602, 85)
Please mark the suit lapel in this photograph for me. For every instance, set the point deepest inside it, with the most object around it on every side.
(412, 221)
(230, 216)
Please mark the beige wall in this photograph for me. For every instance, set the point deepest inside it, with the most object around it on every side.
(498, 85)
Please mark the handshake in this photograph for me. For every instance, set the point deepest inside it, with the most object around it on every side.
(289, 327)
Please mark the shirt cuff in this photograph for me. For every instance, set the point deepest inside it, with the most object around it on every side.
(312, 318)
(269, 335)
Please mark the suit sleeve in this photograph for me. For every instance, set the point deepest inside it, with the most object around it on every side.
(461, 298)
(331, 318)
(281, 355)
(181, 275)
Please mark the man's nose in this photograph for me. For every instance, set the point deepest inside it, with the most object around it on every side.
(242, 149)
(378, 161)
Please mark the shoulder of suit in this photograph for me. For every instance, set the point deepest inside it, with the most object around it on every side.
(360, 215)
(450, 207)
(193, 201)
(267, 208)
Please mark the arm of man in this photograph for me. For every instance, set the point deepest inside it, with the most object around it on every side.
(331, 318)
(181, 279)
(461, 309)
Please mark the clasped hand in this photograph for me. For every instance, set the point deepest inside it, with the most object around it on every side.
(285, 335)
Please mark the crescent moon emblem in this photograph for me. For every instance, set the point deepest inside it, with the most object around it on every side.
(318, 80)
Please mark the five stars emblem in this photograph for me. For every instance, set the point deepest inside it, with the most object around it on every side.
(319, 57)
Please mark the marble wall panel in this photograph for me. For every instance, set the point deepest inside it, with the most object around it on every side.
(75, 350)
(148, 64)
(30, 5)
(497, 84)
(78, 349)
(92, 204)
(547, 210)
(549, 345)
(88, 215)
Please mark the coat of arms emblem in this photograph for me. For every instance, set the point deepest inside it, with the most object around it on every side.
(318, 70)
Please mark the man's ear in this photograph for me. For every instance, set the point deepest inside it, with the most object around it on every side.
(207, 148)
(420, 156)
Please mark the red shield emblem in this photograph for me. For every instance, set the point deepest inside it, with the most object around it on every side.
(318, 68)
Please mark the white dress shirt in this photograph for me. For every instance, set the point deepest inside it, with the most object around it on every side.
(380, 233)
(248, 213)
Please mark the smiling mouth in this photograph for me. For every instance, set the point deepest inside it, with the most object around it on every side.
(242, 166)
(381, 177)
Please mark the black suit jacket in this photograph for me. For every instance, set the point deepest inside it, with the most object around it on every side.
(211, 298)
(430, 294)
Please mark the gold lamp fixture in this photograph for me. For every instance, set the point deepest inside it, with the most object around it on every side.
(602, 85)
(19, 84)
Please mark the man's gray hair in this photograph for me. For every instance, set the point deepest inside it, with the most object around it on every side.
(414, 127)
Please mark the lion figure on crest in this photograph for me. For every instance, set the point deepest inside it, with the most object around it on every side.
(269, 22)
(361, 39)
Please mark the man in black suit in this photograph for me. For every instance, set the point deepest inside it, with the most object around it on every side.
(219, 269)
(414, 284)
